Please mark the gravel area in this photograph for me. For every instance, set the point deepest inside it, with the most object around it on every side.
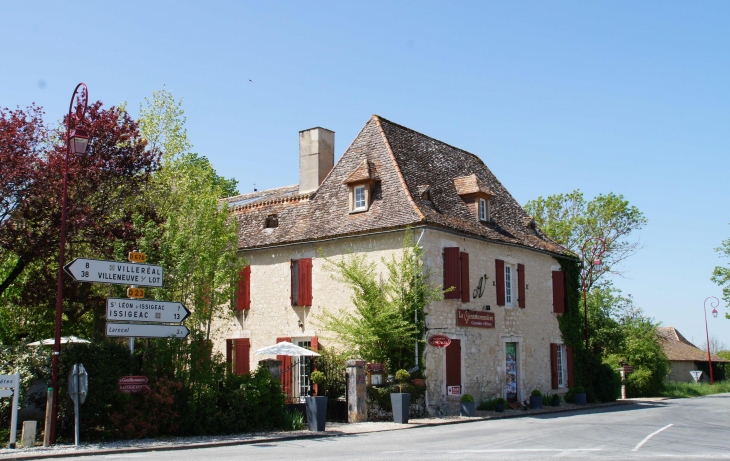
(332, 429)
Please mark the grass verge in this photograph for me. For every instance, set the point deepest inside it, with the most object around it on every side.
(677, 390)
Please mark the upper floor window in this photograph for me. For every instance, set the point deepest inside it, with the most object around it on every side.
(508, 275)
(483, 210)
(360, 199)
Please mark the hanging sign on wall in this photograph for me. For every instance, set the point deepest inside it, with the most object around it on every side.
(439, 341)
(480, 319)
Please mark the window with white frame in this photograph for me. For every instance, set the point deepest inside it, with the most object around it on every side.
(301, 373)
(482, 210)
(360, 202)
(508, 283)
(562, 366)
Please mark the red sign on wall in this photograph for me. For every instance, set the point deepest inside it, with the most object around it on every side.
(439, 341)
(480, 319)
(133, 380)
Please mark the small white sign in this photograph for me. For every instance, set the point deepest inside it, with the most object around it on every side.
(696, 374)
(115, 272)
(139, 330)
(7, 381)
(453, 390)
(6, 393)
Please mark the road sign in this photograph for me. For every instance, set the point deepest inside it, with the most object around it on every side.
(133, 380)
(145, 310)
(628, 369)
(135, 293)
(6, 393)
(115, 272)
(696, 374)
(140, 330)
(137, 257)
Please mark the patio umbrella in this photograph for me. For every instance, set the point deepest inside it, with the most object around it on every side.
(64, 340)
(285, 348)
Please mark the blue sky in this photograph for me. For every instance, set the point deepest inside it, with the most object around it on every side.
(624, 97)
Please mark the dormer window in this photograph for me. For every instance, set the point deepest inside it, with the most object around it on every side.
(360, 199)
(272, 221)
(483, 210)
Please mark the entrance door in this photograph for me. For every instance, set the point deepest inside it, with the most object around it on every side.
(301, 372)
(510, 386)
(453, 368)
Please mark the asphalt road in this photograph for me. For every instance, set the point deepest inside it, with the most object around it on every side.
(678, 429)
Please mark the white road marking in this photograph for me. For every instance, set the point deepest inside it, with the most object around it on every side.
(646, 439)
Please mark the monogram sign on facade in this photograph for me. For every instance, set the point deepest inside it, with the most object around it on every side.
(480, 319)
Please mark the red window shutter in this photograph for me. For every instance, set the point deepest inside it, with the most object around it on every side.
(569, 353)
(499, 280)
(465, 293)
(243, 350)
(565, 293)
(558, 292)
(229, 354)
(453, 363)
(243, 294)
(305, 282)
(521, 297)
(285, 371)
(452, 270)
(554, 365)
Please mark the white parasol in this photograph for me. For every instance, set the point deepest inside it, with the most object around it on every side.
(64, 340)
(285, 348)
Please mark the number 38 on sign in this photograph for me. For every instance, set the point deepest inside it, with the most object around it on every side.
(135, 293)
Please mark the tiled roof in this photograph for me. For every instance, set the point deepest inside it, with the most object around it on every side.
(404, 163)
(678, 349)
(470, 185)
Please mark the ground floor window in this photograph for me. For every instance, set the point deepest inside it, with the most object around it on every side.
(302, 370)
(562, 367)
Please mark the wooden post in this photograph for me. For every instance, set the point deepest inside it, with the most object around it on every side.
(49, 414)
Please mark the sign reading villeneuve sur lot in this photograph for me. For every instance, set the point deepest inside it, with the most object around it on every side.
(144, 310)
(114, 272)
(481, 319)
(141, 330)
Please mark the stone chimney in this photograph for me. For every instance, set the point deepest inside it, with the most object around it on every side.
(316, 157)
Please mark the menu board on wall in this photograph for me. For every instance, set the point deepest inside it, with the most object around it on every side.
(480, 319)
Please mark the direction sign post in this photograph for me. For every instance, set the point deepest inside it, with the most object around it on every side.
(115, 272)
(144, 310)
(140, 330)
(12, 383)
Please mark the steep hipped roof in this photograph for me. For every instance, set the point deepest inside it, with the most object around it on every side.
(678, 349)
(401, 162)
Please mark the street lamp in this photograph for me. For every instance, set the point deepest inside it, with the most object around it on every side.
(597, 250)
(707, 332)
(76, 143)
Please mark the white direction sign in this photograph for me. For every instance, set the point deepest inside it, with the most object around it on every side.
(6, 393)
(115, 272)
(145, 310)
(141, 330)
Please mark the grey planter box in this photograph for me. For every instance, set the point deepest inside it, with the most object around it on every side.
(316, 413)
(535, 402)
(580, 398)
(556, 402)
(401, 407)
(468, 409)
(499, 407)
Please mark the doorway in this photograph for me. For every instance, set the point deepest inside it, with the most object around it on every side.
(511, 378)
(453, 368)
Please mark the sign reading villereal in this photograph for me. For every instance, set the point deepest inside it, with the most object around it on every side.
(481, 319)
(115, 272)
(144, 310)
(141, 330)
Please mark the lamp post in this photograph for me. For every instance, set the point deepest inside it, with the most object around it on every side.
(76, 143)
(707, 332)
(597, 250)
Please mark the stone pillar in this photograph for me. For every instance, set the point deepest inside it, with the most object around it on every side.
(357, 410)
(29, 433)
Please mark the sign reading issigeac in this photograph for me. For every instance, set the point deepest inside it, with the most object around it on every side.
(144, 310)
(114, 272)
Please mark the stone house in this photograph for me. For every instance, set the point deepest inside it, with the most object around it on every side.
(509, 290)
(685, 357)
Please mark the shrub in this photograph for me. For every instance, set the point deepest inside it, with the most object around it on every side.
(332, 364)
(295, 421)
(402, 376)
(317, 377)
(642, 382)
(381, 395)
(487, 405)
(578, 390)
(500, 401)
(467, 398)
(536, 393)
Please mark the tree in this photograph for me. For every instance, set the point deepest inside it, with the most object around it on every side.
(198, 240)
(721, 275)
(388, 319)
(569, 220)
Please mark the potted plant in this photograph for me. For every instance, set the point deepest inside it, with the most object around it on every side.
(536, 400)
(556, 400)
(401, 401)
(579, 395)
(468, 406)
(316, 406)
(499, 405)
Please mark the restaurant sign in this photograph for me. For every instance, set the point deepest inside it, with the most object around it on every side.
(480, 319)
(439, 341)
